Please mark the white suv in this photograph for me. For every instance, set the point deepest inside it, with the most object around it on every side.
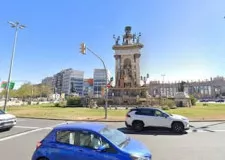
(138, 118)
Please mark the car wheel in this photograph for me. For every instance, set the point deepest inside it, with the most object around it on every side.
(7, 129)
(138, 125)
(178, 127)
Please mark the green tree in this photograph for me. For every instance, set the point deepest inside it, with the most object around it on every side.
(25, 91)
(193, 100)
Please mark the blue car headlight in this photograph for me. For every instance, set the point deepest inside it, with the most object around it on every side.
(133, 157)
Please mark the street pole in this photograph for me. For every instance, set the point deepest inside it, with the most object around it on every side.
(163, 75)
(106, 77)
(17, 26)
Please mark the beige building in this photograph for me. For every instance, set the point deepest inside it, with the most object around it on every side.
(213, 88)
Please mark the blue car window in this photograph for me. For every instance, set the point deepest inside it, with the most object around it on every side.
(90, 140)
(67, 137)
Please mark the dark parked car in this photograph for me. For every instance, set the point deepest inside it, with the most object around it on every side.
(219, 100)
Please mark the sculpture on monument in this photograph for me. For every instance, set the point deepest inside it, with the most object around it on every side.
(116, 39)
(138, 38)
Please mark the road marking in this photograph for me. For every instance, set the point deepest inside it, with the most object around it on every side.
(28, 132)
(28, 127)
(204, 131)
(20, 134)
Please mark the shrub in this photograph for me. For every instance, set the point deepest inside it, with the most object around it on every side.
(56, 104)
(73, 101)
(173, 107)
(60, 104)
(193, 100)
(165, 108)
(170, 103)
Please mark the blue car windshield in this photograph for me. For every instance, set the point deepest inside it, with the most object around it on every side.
(115, 136)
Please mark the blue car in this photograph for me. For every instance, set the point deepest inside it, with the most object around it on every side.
(89, 141)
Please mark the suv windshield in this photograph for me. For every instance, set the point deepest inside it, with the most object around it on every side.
(115, 136)
(2, 112)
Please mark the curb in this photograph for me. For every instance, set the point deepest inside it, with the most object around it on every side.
(100, 120)
(86, 120)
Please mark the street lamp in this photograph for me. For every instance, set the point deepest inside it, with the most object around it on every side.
(83, 49)
(17, 26)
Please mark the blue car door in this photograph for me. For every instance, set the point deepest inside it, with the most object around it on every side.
(88, 148)
(64, 148)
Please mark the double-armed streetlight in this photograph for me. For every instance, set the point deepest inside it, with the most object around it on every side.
(17, 26)
(83, 49)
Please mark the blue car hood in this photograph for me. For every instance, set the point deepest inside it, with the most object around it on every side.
(135, 147)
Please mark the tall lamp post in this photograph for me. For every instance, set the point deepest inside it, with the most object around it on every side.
(17, 26)
(83, 51)
(163, 75)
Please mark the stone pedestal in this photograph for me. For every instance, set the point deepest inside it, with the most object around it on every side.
(182, 99)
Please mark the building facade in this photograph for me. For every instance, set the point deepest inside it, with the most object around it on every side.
(99, 82)
(48, 81)
(213, 88)
(57, 82)
(88, 87)
(72, 82)
(68, 81)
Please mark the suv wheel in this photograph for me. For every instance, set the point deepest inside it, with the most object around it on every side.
(178, 127)
(128, 126)
(138, 125)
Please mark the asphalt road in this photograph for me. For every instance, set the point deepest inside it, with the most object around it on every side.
(204, 141)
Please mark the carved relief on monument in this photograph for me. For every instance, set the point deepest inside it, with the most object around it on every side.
(127, 73)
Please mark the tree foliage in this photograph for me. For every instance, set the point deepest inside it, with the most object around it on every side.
(193, 100)
(28, 90)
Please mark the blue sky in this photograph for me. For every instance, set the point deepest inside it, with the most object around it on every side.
(183, 39)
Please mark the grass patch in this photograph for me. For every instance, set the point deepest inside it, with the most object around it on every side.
(211, 111)
(74, 113)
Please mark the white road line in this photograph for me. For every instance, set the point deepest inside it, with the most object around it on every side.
(28, 127)
(219, 130)
(36, 129)
(203, 131)
(20, 134)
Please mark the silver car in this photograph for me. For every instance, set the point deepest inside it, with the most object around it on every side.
(7, 121)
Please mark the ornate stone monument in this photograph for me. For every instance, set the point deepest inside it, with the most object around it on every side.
(127, 70)
(181, 98)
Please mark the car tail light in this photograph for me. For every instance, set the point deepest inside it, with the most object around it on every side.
(127, 115)
(38, 145)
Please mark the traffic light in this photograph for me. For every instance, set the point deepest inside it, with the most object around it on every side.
(111, 79)
(82, 48)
